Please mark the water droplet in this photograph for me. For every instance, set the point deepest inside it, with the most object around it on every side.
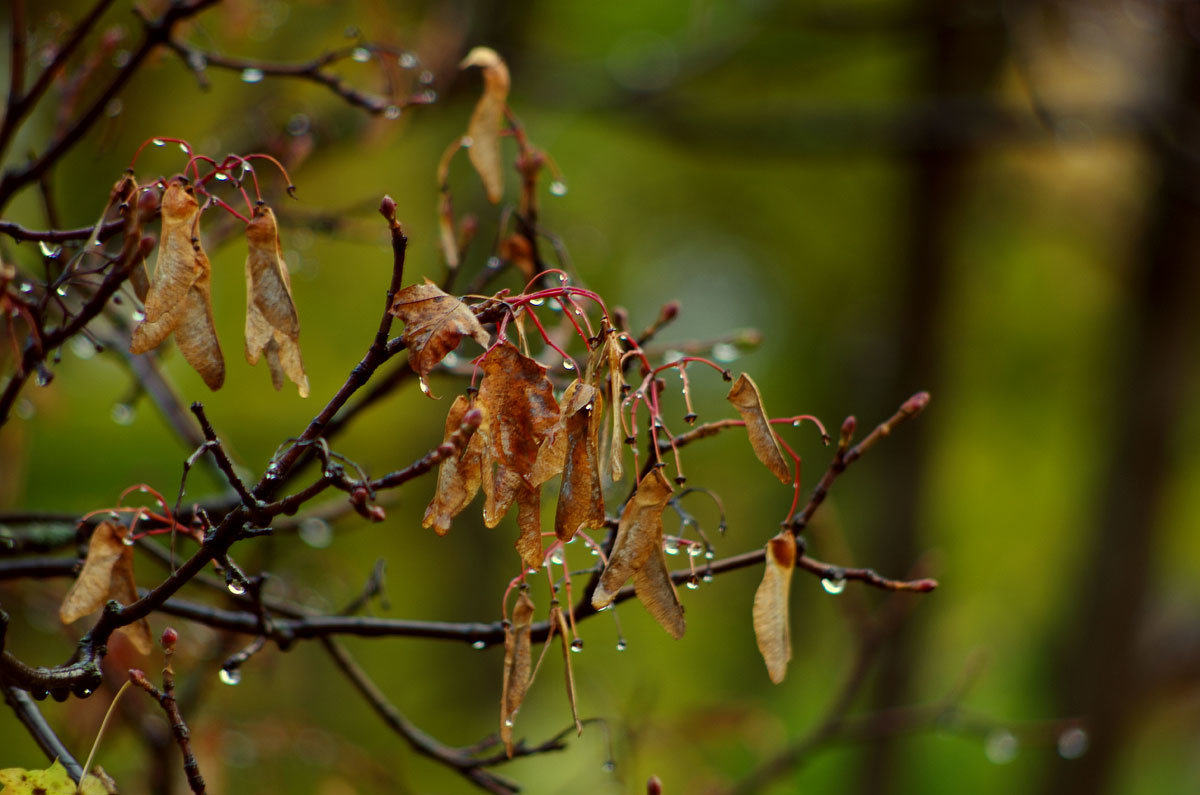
(709, 554)
(494, 262)
(558, 188)
(724, 352)
(834, 587)
(577, 645)
(595, 552)
(568, 365)
(609, 766)
(556, 558)
(695, 549)
(707, 577)
(316, 532)
(693, 583)
(114, 108)
(159, 142)
(236, 587)
(82, 347)
(27, 287)
(220, 177)
(671, 546)
(183, 148)
(795, 423)
(49, 252)
(272, 471)
(391, 112)
(61, 290)
(1073, 743)
(425, 78)
(536, 301)
(508, 722)
(361, 54)
(122, 414)
(197, 61)
(407, 60)
(252, 75)
(1001, 746)
(622, 645)
(421, 382)
(43, 377)
(479, 644)
(85, 692)
(138, 315)
(229, 676)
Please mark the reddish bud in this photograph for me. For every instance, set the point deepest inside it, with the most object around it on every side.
(387, 208)
(169, 638)
(654, 786)
(916, 403)
(669, 311)
(473, 418)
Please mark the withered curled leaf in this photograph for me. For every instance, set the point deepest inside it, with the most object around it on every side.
(488, 119)
(529, 526)
(107, 574)
(771, 606)
(746, 399)
(639, 536)
(458, 475)
(580, 496)
(272, 325)
(434, 324)
(616, 380)
(654, 589)
(518, 667)
(180, 299)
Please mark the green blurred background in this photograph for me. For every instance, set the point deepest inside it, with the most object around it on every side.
(994, 201)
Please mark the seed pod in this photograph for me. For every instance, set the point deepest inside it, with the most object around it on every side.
(272, 325)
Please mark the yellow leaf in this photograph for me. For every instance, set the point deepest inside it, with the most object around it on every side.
(745, 398)
(434, 323)
(272, 325)
(488, 119)
(771, 606)
(54, 780)
(518, 667)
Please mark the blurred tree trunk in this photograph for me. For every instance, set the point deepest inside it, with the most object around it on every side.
(964, 53)
(1097, 671)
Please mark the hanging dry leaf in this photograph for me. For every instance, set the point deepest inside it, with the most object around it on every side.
(558, 621)
(180, 298)
(580, 497)
(746, 399)
(434, 324)
(272, 325)
(639, 535)
(458, 476)
(771, 606)
(518, 660)
(653, 586)
(515, 249)
(107, 574)
(488, 119)
(552, 454)
(529, 526)
(616, 381)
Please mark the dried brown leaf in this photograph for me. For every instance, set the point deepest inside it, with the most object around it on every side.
(581, 497)
(434, 324)
(488, 119)
(272, 325)
(653, 586)
(558, 620)
(458, 475)
(771, 606)
(518, 667)
(180, 299)
(107, 574)
(529, 526)
(519, 406)
(639, 536)
(616, 380)
(516, 249)
(745, 397)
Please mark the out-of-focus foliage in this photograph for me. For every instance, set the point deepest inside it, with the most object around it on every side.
(765, 164)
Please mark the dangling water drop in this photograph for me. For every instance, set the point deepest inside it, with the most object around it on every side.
(219, 177)
(425, 78)
(556, 558)
(361, 54)
(47, 251)
(671, 546)
(236, 587)
(252, 75)
(622, 645)
(27, 287)
(693, 583)
(508, 722)
(536, 301)
(695, 549)
(392, 112)
(159, 142)
(1072, 743)
(128, 539)
(709, 554)
(609, 766)
(61, 290)
(707, 577)
(138, 315)
(229, 676)
(833, 587)
(558, 188)
(122, 413)
(577, 645)
(724, 352)
(479, 644)
(1001, 746)
(568, 364)
(407, 60)
(424, 385)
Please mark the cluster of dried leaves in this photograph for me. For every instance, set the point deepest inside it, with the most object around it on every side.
(178, 297)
